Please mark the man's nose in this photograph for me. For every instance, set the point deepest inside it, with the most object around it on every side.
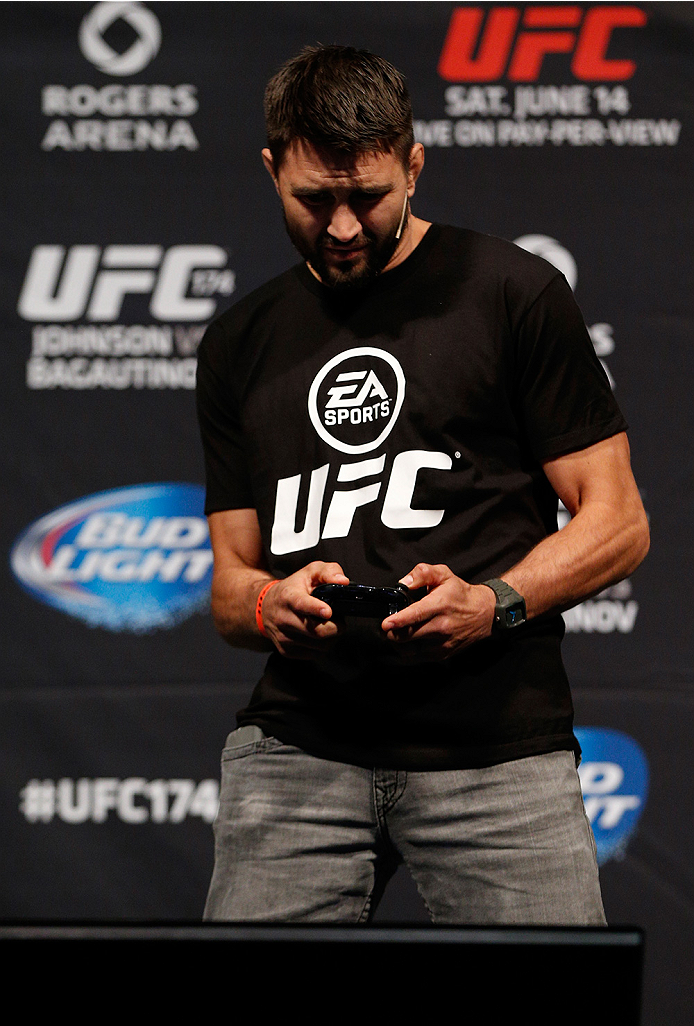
(344, 224)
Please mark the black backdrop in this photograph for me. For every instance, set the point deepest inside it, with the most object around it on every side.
(135, 209)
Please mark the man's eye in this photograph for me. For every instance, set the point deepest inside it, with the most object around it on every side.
(368, 199)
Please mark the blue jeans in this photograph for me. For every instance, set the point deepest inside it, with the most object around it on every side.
(300, 839)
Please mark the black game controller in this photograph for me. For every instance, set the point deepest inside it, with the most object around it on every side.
(363, 599)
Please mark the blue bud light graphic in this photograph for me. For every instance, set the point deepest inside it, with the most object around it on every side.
(614, 781)
(131, 559)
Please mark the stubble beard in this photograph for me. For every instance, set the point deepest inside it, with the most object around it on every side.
(376, 256)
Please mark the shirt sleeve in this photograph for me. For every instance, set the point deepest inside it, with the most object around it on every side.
(226, 471)
(564, 398)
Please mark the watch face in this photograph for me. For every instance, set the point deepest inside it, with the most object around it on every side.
(515, 615)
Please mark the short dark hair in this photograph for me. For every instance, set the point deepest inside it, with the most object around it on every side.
(339, 99)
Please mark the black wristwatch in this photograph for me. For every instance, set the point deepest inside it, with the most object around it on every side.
(509, 611)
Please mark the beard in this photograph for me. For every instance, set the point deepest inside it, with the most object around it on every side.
(352, 273)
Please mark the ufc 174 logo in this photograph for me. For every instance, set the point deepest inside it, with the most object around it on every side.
(87, 281)
(516, 40)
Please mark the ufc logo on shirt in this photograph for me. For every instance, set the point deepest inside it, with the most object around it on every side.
(396, 510)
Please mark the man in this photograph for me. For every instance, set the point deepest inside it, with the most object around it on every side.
(406, 404)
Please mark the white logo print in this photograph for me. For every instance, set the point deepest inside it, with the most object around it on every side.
(136, 57)
(132, 800)
(355, 409)
(371, 387)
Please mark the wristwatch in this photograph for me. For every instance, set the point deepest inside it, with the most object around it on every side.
(509, 611)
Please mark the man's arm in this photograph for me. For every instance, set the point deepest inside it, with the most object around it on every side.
(296, 624)
(605, 541)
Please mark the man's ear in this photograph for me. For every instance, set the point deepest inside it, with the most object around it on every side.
(270, 167)
(415, 166)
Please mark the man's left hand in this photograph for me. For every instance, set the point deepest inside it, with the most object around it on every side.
(452, 615)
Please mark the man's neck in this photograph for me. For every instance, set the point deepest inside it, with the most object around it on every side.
(414, 232)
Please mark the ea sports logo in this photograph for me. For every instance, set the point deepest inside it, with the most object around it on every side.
(355, 399)
(99, 52)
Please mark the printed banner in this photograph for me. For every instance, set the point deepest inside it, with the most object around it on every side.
(136, 210)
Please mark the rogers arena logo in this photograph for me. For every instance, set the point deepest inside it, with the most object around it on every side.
(131, 559)
(554, 252)
(119, 116)
(355, 399)
(614, 782)
(559, 257)
(104, 57)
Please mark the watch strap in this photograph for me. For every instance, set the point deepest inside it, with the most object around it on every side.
(510, 609)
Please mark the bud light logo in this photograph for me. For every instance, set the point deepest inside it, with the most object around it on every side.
(614, 781)
(131, 559)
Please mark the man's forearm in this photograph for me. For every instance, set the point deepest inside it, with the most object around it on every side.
(595, 549)
(604, 542)
(234, 596)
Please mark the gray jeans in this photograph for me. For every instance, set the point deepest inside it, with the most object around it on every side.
(300, 839)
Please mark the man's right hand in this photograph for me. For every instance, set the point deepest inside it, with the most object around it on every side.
(299, 625)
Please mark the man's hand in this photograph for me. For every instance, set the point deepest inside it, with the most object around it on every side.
(451, 616)
(298, 624)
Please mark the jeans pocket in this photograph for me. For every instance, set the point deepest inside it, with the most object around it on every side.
(247, 740)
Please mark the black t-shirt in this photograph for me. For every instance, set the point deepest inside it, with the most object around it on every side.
(407, 422)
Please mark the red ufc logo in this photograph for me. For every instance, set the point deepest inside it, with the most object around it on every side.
(472, 55)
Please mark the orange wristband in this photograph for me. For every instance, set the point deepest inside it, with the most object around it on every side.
(259, 608)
